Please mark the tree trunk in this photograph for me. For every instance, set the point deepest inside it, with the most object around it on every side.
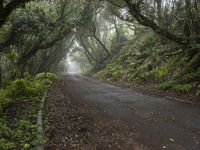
(195, 62)
(1, 4)
(99, 41)
(159, 13)
(188, 18)
(87, 52)
(116, 29)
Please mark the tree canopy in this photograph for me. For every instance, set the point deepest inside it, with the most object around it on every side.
(37, 34)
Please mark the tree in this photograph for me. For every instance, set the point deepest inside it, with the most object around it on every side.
(5, 11)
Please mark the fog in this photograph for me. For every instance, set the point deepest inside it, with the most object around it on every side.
(72, 66)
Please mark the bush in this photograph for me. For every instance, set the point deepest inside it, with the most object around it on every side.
(113, 71)
(185, 88)
(27, 75)
(198, 90)
(24, 89)
(21, 134)
(167, 85)
(4, 99)
(44, 79)
(21, 88)
(158, 74)
(48, 75)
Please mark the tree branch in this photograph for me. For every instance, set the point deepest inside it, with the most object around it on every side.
(7, 10)
(135, 12)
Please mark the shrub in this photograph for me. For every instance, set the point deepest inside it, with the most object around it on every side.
(198, 90)
(4, 100)
(158, 74)
(112, 71)
(21, 88)
(6, 83)
(48, 75)
(6, 145)
(100, 74)
(167, 85)
(27, 75)
(22, 133)
(44, 79)
(190, 77)
(185, 88)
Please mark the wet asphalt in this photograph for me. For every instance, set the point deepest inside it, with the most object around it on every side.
(159, 123)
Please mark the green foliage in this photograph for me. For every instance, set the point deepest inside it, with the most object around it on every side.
(185, 88)
(4, 99)
(167, 85)
(159, 73)
(198, 90)
(22, 89)
(5, 133)
(149, 60)
(190, 77)
(113, 71)
(28, 88)
(6, 145)
(27, 76)
(23, 134)
(44, 79)
(42, 76)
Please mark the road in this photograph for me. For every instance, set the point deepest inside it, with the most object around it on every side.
(159, 123)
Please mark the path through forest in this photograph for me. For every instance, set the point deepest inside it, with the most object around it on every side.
(156, 123)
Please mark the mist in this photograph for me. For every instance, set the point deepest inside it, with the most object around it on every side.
(72, 66)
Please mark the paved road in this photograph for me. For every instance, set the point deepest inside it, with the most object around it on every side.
(158, 122)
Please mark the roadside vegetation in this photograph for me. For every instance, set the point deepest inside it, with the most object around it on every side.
(151, 61)
(19, 104)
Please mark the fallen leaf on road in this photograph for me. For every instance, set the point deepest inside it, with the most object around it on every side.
(171, 139)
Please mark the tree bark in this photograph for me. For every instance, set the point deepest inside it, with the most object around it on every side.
(104, 47)
(87, 52)
(116, 29)
(1, 4)
(159, 13)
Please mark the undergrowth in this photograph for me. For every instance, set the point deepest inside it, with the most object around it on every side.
(150, 61)
(21, 97)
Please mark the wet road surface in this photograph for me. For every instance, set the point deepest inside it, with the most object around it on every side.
(159, 123)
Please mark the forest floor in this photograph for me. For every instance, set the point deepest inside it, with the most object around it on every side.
(85, 113)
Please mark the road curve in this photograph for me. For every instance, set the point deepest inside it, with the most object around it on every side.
(159, 123)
